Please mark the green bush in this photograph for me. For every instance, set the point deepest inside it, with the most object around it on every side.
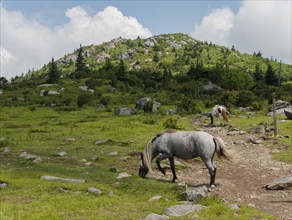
(83, 99)
(171, 123)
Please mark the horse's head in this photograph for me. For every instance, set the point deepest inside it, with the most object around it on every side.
(143, 170)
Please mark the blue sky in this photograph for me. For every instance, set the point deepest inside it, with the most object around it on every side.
(32, 32)
(159, 16)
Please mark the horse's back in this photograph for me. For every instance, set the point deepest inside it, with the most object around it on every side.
(190, 144)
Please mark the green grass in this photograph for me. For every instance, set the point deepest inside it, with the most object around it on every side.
(283, 142)
(45, 132)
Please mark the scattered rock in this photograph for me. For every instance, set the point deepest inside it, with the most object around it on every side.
(62, 153)
(125, 111)
(195, 216)
(53, 178)
(210, 86)
(125, 158)
(113, 154)
(104, 56)
(150, 42)
(147, 104)
(234, 207)
(2, 139)
(27, 156)
(85, 88)
(153, 216)
(281, 107)
(288, 113)
(123, 175)
(37, 160)
(194, 193)
(3, 185)
(251, 140)
(94, 190)
(236, 133)
(275, 151)
(46, 85)
(6, 150)
(280, 183)
(62, 189)
(245, 109)
(182, 210)
(258, 130)
(170, 111)
(96, 157)
(70, 139)
(101, 142)
(154, 198)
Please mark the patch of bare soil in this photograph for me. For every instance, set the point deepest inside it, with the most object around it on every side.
(242, 180)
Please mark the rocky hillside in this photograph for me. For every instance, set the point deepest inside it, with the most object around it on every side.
(176, 52)
(175, 69)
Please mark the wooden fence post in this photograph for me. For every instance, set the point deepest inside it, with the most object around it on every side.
(274, 114)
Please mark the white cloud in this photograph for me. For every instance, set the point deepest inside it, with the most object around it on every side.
(29, 44)
(257, 26)
(216, 26)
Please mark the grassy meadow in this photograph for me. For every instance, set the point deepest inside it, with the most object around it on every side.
(45, 132)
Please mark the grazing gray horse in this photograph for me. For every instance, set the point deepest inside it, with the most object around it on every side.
(185, 145)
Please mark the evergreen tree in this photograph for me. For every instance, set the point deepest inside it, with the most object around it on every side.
(80, 64)
(54, 73)
(121, 71)
(270, 77)
(258, 74)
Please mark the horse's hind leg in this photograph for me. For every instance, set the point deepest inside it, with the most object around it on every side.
(172, 166)
(212, 171)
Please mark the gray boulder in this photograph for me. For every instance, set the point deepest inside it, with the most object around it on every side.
(147, 104)
(288, 113)
(280, 183)
(210, 86)
(281, 107)
(101, 57)
(194, 193)
(94, 191)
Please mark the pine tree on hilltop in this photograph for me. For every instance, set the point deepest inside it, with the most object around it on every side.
(80, 64)
(54, 73)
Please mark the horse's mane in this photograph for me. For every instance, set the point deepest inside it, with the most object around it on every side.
(147, 153)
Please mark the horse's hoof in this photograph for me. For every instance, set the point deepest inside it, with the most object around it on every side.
(210, 189)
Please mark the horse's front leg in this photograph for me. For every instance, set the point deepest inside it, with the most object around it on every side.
(172, 166)
(160, 158)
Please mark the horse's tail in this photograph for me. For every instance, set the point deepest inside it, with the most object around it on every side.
(220, 148)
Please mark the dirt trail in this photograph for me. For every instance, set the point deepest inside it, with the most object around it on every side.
(242, 180)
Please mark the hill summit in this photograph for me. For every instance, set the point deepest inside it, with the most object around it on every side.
(172, 64)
